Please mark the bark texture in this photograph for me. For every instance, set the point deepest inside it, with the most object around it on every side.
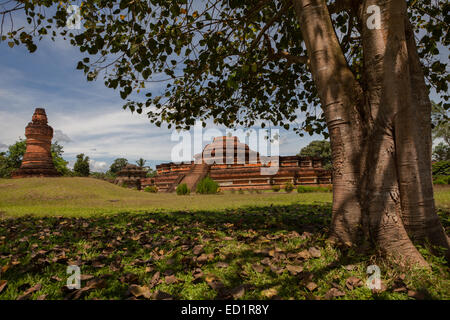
(380, 132)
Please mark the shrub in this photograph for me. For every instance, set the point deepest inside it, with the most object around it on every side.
(276, 188)
(442, 180)
(288, 187)
(441, 168)
(441, 172)
(183, 189)
(305, 189)
(152, 189)
(207, 186)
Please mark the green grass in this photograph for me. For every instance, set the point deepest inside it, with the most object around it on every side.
(87, 196)
(261, 246)
(442, 196)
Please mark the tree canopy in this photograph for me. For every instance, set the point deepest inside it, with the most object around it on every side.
(441, 152)
(81, 166)
(319, 149)
(233, 61)
(117, 165)
(441, 124)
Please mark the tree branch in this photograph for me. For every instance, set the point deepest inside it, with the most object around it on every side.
(341, 5)
(284, 55)
(268, 25)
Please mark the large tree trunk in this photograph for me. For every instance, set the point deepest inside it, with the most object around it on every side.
(380, 135)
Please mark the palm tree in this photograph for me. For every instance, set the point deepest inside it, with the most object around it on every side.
(141, 162)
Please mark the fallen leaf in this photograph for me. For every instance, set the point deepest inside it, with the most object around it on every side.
(55, 279)
(85, 277)
(350, 267)
(171, 279)
(97, 264)
(96, 284)
(314, 252)
(276, 269)
(129, 278)
(168, 272)
(304, 254)
(140, 291)
(155, 278)
(333, 293)
(258, 268)
(269, 293)
(160, 295)
(27, 294)
(198, 275)
(3, 284)
(214, 282)
(136, 237)
(222, 264)
(197, 249)
(238, 292)
(205, 257)
(382, 288)
(416, 295)
(294, 269)
(353, 282)
(311, 286)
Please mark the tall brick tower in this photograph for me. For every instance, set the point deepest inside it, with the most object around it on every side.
(37, 161)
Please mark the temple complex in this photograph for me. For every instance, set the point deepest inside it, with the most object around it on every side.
(131, 176)
(37, 161)
(239, 169)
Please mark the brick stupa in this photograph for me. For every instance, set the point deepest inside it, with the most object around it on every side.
(37, 161)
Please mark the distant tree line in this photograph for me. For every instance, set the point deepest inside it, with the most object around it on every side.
(11, 160)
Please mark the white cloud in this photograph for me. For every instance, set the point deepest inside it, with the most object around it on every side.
(60, 136)
(98, 166)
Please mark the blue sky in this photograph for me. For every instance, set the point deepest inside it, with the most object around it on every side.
(86, 116)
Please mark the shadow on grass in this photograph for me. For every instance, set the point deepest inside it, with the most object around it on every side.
(130, 248)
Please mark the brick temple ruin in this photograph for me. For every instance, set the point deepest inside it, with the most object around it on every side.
(131, 176)
(233, 173)
(37, 161)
